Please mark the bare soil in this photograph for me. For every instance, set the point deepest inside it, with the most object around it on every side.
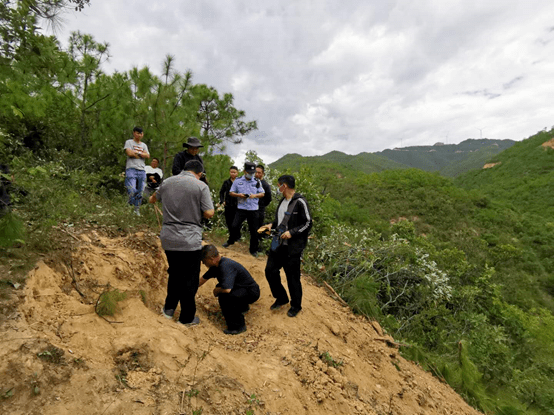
(58, 356)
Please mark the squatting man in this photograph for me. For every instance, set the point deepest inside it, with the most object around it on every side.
(235, 290)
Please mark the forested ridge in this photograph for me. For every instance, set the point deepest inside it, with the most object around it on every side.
(458, 271)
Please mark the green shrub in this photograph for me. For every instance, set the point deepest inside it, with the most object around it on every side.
(107, 304)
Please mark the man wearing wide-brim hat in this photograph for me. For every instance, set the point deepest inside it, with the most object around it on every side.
(192, 147)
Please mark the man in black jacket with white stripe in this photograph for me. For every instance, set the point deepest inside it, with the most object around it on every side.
(289, 253)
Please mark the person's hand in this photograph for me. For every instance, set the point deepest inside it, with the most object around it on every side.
(216, 291)
(286, 235)
(265, 228)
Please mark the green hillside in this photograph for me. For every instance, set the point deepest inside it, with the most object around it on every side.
(480, 241)
(440, 157)
(523, 177)
(337, 161)
(450, 160)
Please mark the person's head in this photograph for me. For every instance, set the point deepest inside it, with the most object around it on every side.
(155, 163)
(260, 171)
(193, 145)
(195, 167)
(286, 181)
(209, 255)
(233, 172)
(249, 169)
(137, 133)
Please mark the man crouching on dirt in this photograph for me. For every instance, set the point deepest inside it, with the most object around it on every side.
(185, 200)
(236, 289)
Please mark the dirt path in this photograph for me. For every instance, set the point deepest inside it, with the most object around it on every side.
(59, 357)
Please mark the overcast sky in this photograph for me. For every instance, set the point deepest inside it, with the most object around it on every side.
(351, 76)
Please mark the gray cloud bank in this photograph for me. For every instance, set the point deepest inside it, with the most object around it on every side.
(350, 76)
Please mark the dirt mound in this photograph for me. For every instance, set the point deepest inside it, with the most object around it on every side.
(59, 357)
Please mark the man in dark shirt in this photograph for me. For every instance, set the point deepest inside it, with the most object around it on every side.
(192, 147)
(236, 289)
(226, 200)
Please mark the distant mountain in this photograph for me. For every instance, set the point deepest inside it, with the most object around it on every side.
(338, 161)
(522, 176)
(448, 159)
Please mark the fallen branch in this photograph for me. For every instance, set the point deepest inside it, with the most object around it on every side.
(392, 343)
(69, 264)
(158, 214)
(344, 303)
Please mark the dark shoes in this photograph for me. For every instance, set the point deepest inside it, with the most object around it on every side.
(237, 331)
(195, 321)
(167, 313)
(277, 304)
(226, 244)
(293, 311)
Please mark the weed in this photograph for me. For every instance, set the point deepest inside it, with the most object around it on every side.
(8, 394)
(35, 384)
(143, 296)
(328, 359)
(122, 378)
(107, 302)
(192, 393)
(253, 400)
(52, 355)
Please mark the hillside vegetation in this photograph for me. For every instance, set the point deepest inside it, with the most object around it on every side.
(460, 273)
(449, 160)
(453, 268)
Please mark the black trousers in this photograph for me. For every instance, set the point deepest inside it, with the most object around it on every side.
(233, 304)
(182, 284)
(251, 216)
(291, 264)
(230, 213)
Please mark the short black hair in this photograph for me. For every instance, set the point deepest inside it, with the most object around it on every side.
(208, 251)
(233, 167)
(288, 180)
(155, 158)
(194, 165)
(261, 166)
(137, 129)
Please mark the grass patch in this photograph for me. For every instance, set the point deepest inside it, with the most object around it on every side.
(107, 304)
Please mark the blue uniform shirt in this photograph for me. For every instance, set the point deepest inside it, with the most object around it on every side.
(252, 186)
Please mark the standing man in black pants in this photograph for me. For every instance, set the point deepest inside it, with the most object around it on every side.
(248, 190)
(226, 200)
(264, 201)
(293, 232)
(185, 201)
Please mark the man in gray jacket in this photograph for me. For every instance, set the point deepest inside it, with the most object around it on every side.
(185, 201)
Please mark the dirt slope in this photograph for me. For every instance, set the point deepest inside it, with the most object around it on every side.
(59, 357)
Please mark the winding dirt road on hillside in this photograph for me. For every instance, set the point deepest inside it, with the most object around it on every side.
(58, 356)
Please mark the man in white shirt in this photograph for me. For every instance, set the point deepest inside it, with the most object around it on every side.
(135, 176)
(154, 176)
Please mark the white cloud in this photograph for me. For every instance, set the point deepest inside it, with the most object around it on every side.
(350, 76)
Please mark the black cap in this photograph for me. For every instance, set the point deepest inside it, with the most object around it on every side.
(249, 167)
